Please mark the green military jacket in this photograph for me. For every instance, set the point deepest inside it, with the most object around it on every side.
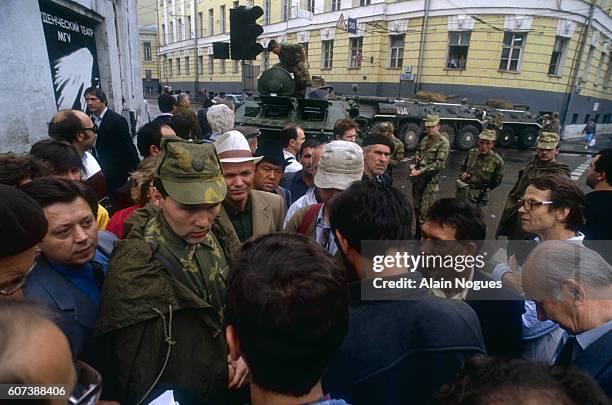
(164, 320)
(397, 158)
(290, 55)
(432, 154)
(535, 168)
(552, 126)
(486, 173)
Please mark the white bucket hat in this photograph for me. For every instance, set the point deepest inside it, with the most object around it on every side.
(341, 165)
(232, 147)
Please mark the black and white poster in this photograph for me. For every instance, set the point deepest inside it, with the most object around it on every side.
(71, 47)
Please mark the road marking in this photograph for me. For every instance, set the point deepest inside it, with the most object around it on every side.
(579, 171)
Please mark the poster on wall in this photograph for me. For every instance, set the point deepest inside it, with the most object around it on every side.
(71, 47)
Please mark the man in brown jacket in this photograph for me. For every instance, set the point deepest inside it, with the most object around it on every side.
(341, 165)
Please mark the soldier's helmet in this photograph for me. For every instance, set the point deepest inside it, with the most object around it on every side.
(548, 140)
(432, 120)
(190, 172)
(488, 135)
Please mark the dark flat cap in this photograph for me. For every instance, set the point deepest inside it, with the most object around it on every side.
(379, 139)
(271, 151)
(22, 222)
(248, 132)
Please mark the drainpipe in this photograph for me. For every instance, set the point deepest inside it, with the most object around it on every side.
(583, 40)
(417, 84)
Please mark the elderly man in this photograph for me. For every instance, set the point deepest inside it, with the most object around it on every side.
(269, 171)
(341, 165)
(544, 163)
(572, 285)
(22, 226)
(430, 159)
(245, 211)
(377, 151)
(164, 297)
(69, 274)
(221, 120)
(482, 170)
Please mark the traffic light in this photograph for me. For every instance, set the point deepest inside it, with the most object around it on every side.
(244, 31)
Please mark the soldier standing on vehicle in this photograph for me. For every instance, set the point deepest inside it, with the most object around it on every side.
(482, 171)
(544, 163)
(430, 158)
(293, 60)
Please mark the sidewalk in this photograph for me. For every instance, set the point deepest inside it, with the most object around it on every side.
(576, 145)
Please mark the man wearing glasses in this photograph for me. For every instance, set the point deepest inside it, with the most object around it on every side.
(544, 163)
(22, 226)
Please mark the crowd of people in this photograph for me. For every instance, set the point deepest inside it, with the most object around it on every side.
(230, 269)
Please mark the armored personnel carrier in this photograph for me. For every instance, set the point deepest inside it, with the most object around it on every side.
(460, 123)
(276, 107)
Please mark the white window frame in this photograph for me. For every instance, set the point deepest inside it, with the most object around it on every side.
(201, 21)
(266, 10)
(335, 5)
(146, 50)
(211, 64)
(201, 64)
(598, 72)
(462, 41)
(512, 47)
(211, 22)
(327, 54)
(560, 56)
(396, 61)
(355, 52)
(171, 33)
(186, 65)
(188, 31)
(178, 66)
(181, 27)
(170, 68)
(285, 10)
(222, 18)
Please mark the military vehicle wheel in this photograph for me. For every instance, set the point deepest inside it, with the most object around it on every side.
(505, 137)
(409, 133)
(448, 132)
(528, 138)
(466, 137)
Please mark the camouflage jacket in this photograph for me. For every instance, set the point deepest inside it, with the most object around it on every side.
(535, 168)
(290, 55)
(398, 155)
(150, 310)
(486, 171)
(552, 126)
(432, 154)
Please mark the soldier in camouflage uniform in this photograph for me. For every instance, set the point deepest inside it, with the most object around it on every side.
(293, 60)
(397, 157)
(545, 163)
(162, 307)
(552, 125)
(496, 124)
(482, 170)
(430, 159)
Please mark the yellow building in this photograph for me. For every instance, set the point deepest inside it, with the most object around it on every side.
(551, 56)
(149, 46)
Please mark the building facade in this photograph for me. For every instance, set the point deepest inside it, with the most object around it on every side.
(148, 59)
(54, 50)
(553, 56)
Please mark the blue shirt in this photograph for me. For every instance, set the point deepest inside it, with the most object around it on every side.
(83, 276)
(585, 339)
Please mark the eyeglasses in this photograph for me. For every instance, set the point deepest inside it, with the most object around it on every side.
(88, 387)
(94, 129)
(529, 204)
(15, 284)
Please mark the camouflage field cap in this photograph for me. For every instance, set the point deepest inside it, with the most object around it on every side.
(190, 172)
(548, 140)
(488, 135)
(432, 120)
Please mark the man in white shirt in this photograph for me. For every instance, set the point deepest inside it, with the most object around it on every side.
(292, 137)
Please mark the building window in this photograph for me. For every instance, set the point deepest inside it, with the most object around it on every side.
(328, 54)
(170, 67)
(599, 71)
(186, 65)
(171, 33)
(587, 118)
(310, 6)
(211, 64)
(146, 47)
(235, 67)
(181, 27)
(458, 44)
(335, 5)
(355, 45)
(364, 2)
(396, 51)
(188, 32)
(222, 67)
(596, 120)
(201, 24)
(285, 10)
(148, 74)
(163, 34)
(589, 62)
(200, 64)
(178, 66)
(555, 67)
(265, 60)
(222, 18)
(512, 50)
(574, 118)
(266, 10)
(211, 22)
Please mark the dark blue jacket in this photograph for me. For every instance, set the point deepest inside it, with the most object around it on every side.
(401, 350)
(76, 313)
(597, 361)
